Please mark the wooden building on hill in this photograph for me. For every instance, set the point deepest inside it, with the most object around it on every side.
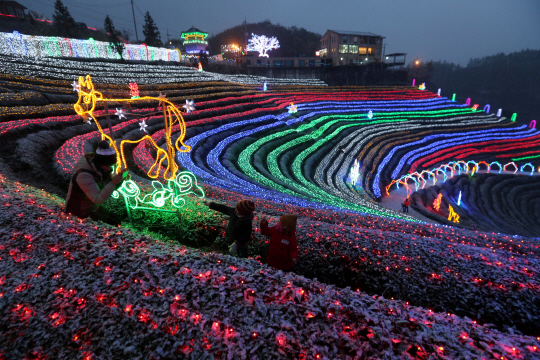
(350, 48)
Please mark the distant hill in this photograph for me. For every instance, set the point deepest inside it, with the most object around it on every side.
(293, 41)
(510, 82)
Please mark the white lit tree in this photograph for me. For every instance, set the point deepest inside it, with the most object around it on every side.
(262, 44)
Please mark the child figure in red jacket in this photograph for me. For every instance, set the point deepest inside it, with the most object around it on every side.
(283, 249)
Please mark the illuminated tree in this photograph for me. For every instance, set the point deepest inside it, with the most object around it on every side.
(262, 44)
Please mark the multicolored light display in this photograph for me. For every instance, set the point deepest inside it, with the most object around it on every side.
(454, 167)
(50, 46)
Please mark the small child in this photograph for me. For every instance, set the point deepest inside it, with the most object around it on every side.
(239, 229)
(283, 248)
(406, 205)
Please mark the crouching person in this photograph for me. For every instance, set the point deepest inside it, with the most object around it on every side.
(93, 183)
(239, 229)
(283, 249)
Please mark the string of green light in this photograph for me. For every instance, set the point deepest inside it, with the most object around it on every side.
(172, 191)
(307, 187)
(314, 193)
(527, 157)
(309, 190)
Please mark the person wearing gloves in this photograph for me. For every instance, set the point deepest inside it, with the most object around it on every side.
(239, 229)
(92, 183)
(283, 248)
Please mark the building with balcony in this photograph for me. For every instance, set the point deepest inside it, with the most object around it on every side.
(195, 41)
(12, 8)
(350, 48)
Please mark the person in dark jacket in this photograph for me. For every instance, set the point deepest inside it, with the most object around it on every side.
(283, 248)
(239, 228)
(93, 183)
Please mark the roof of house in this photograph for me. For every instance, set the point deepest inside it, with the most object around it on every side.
(15, 4)
(194, 30)
(344, 32)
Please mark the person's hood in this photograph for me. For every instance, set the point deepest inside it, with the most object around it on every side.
(279, 228)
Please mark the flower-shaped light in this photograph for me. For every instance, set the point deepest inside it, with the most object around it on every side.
(190, 106)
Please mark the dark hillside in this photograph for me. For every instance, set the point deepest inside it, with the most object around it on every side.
(510, 82)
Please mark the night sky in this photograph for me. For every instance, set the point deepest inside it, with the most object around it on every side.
(451, 30)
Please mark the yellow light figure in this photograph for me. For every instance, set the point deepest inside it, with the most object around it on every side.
(85, 106)
(437, 202)
(452, 215)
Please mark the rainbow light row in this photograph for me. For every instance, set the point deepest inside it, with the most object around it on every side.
(458, 167)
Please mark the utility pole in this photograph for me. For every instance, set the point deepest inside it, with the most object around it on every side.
(383, 60)
(245, 33)
(134, 22)
(168, 35)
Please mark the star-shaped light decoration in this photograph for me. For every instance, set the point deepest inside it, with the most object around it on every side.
(189, 106)
(76, 86)
(161, 97)
(143, 126)
(120, 113)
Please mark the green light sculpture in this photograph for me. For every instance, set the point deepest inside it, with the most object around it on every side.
(172, 192)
